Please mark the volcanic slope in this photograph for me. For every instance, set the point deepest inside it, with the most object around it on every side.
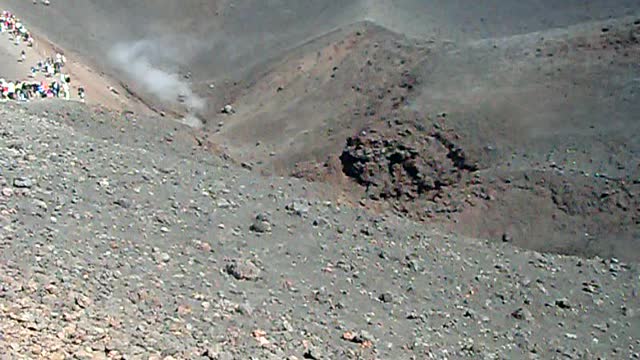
(553, 116)
(534, 109)
(219, 41)
(123, 237)
(303, 105)
(545, 121)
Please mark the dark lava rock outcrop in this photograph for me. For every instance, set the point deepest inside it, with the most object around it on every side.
(405, 161)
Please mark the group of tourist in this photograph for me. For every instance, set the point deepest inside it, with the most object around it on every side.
(11, 24)
(49, 66)
(29, 90)
(56, 85)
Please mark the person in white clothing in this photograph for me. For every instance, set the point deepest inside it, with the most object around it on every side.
(66, 90)
(11, 89)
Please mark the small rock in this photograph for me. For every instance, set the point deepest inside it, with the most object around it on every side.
(213, 352)
(322, 222)
(228, 109)
(41, 204)
(123, 203)
(83, 301)
(414, 265)
(260, 227)
(522, 314)
(363, 336)
(313, 353)
(286, 326)
(298, 207)
(263, 217)
(591, 287)
(386, 297)
(243, 270)
(83, 354)
(261, 224)
(164, 257)
(22, 183)
(24, 317)
(563, 303)
(57, 356)
(469, 313)
(224, 204)
(245, 309)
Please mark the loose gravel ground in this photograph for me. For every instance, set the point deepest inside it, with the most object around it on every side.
(115, 246)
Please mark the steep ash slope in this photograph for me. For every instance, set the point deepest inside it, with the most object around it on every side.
(213, 39)
(551, 119)
(208, 38)
(547, 120)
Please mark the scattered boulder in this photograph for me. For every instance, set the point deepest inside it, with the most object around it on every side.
(243, 270)
(224, 204)
(364, 336)
(228, 109)
(386, 297)
(359, 337)
(123, 203)
(522, 314)
(22, 183)
(245, 309)
(563, 303)
(298, 207)
(313, 353)
(261, 224)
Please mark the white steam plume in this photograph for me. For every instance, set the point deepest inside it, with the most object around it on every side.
(135, 60)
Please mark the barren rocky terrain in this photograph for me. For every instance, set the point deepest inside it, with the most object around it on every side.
(142, 245)
(416, 180)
